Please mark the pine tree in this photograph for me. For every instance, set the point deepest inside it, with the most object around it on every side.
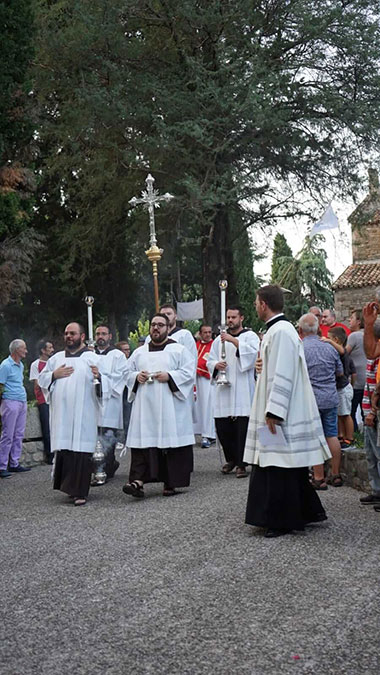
(223, 102)
(18, 240)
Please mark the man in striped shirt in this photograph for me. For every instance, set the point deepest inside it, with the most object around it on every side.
(372, 349)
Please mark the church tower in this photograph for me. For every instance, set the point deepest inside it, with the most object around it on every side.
(357, 284)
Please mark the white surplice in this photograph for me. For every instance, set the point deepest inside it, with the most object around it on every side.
(235, 400)
(204, 408)
(159, 417)
(115, 366)
(74, 407)
(185, 338)
(283, 389)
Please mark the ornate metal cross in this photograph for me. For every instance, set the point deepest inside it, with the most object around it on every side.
(150, 199)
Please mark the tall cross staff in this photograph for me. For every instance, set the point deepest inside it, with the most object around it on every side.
(150, 200)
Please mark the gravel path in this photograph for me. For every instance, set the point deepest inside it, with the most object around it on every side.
(181, 585)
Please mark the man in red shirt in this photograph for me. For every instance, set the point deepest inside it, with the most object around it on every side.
(328, 321)
(204, 405)
(45, 350)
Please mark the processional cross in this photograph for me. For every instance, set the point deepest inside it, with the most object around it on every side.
(151, 199)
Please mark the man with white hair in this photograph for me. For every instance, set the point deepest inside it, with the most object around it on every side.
(317, 312)
(324, 366)
(12, 410)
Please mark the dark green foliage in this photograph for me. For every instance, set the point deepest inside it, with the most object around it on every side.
(16, 51)
(19, 242)
(305, 276)
(234, 107)
(281, 255)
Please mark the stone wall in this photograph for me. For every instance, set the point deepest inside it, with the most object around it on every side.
(32, 446)
(354, 469)
(366, 242)
(348, 299)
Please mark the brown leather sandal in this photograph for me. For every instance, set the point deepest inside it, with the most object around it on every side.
(134, 489)
(227, 468)
(169, 492)
(79, 501)
(318, 484)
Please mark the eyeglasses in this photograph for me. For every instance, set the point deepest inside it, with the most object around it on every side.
(158, 325)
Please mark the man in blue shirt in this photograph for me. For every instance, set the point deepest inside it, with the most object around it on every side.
(12, 409)
(324, 365)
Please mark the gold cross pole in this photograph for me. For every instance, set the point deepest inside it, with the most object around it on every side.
(150, 200)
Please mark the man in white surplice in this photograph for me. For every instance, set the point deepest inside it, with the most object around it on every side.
(67, 382)
(160, 381)
(280, 497)
(232, 404)
(181, 335)
(114, 363)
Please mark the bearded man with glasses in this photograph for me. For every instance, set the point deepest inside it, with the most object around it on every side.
(160, 380)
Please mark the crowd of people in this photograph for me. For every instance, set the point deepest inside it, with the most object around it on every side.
(283, 403)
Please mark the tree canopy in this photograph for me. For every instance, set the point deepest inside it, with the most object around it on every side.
(305, 276)
(247, 111)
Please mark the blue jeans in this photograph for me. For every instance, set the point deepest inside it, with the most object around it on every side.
(373, 459)
(329, 419)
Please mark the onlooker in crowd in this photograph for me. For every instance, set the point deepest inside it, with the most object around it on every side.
(12, 410)
(328, 321)
(338, 338)
(323, 364)
(355, 348)
(317, 312)
(371, 442)
(45, 350)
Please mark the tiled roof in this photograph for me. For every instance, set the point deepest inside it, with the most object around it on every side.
(359, 275)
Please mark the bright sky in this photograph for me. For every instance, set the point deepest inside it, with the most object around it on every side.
(337, 244)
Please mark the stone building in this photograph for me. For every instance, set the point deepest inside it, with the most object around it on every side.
(357, 284)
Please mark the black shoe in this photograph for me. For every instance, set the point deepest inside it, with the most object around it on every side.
(377, 508)
(4, 473)
(96, 483)
(271, 533)
(19, 469)
(241, 472)
(370, 499)
(134, 489)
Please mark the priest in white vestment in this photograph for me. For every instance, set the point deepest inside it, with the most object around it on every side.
(183, 337)
(114, 363)
(160, 381)
(285, 434)
(67, 382)
(232, 404)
